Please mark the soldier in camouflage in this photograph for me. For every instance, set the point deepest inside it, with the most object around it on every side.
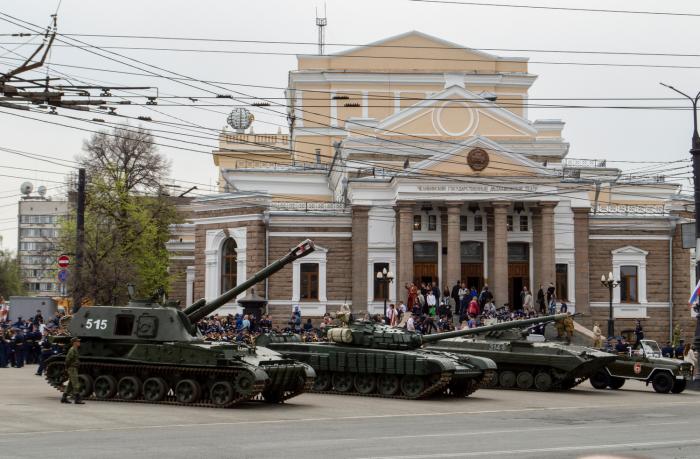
(72, 364)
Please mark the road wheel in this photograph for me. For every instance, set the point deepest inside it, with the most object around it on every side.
(154, 389)
(616, 383)
(506, 379)
(412, 386)
(86, 385)
(600, 380)
(105, 387)
(221, 393)
(129, 388)
(342, 382)
(364, 383)
(662, 382)
(678, 386)
(524, 380)
(322, 382)
(388, 384)
(188, 391)
(55, 373)
(543, 381)
(243, 383)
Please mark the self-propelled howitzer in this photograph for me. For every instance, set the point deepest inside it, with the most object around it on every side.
(368, 358)
(149, 352)
(526, 361)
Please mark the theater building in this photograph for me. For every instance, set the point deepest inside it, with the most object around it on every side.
(416, 155)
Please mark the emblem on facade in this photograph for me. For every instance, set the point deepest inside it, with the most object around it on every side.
(478, 159)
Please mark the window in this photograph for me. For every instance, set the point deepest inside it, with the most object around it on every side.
(318, 156)
(523, 223)
(562, 284)
(432, 222)
(628, 284)
(463, 221)
(518, 252)
(425, 252)
(124, 325)
(471, 252)
(509, 222)
(381, 288)
(229, 265)
(417, 223)
(309, 282)
(478, 223)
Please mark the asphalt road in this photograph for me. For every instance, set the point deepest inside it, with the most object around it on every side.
(634, 422)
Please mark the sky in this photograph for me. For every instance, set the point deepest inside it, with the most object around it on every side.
(613, 134)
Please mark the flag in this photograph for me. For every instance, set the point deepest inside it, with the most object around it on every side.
(695, 295)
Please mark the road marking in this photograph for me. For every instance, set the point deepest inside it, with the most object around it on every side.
(633, 446)
(346, 418)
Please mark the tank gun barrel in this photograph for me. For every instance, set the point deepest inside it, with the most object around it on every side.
(489, 328)
(202, 308)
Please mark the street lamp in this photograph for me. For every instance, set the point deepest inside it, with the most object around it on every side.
(610, 284)
(386, 278)
(695, 153)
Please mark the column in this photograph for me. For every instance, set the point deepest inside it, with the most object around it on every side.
(360, 215)
(582, 274)
(499, 284)
(453, 271)
(536, 276)
(404, 247)
(547, 260)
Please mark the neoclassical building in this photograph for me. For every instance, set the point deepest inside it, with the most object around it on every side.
(416, 155)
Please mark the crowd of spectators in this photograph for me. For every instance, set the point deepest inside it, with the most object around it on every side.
(26, 341)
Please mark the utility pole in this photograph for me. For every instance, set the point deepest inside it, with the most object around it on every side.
(695, 154)
(79, 242)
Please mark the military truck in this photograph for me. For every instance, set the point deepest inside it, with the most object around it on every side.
(647, 364)
(154, 353)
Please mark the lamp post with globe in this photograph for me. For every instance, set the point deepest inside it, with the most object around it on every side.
(385, 277)
(610, 283)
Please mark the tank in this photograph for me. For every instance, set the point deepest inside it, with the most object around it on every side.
(154, 353)
(526, 361)
(373, 359)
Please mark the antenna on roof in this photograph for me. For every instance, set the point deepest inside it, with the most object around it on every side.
(321, 23)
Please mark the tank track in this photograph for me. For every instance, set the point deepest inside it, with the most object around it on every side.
(169, 399)
(558, 384)
(439, 386)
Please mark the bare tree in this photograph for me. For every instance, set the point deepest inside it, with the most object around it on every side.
(127, 156)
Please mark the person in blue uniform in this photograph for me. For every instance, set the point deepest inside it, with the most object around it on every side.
(4, 348)
(19, 339)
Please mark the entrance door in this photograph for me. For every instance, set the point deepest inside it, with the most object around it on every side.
(518, 272)
(473, 275)
(472, 264)
(425, 261)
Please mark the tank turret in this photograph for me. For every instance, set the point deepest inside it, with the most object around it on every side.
(379, 336)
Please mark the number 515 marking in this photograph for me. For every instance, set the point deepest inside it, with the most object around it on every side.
(98, 324)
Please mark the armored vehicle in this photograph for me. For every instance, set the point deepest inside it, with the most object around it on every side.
(525, 360)
(367, 358)
(645, 364)
(148, 352)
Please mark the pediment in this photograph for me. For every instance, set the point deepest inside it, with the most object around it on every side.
(630, 250)
(481, 157)
(456, 112)
(416, 44)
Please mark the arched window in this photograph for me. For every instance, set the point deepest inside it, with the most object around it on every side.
(229, 262)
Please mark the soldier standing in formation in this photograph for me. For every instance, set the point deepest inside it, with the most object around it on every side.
(72, 363)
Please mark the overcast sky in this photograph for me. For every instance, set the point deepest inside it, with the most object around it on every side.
(627, 135)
